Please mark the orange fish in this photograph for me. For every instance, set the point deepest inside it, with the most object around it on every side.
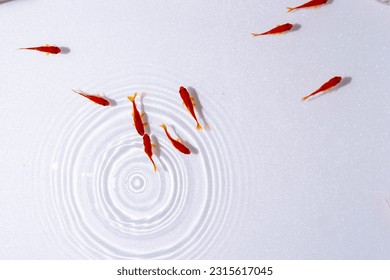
(176, 143)
(187, 99)
(277, 30)
(95, 98)
(148, 149)
(325, 87)
(310, 4)
(46, 49)
(139, 125)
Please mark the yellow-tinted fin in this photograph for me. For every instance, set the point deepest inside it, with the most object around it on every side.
(290, 9)
(131, 98)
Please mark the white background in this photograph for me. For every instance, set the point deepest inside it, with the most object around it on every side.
(315, 175)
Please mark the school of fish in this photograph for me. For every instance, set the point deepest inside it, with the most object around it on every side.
(187, 99)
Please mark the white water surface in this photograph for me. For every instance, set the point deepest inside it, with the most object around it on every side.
(271, 177)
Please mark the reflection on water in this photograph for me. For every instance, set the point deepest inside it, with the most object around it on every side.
(109, 199)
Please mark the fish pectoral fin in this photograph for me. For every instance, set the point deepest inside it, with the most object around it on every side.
(145, 123)
(154, 146)
(47, 54)
(142, 115)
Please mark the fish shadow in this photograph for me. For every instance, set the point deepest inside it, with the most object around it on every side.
(112, 101)
(157, 145)
(64, 50)
(198, 107)
(157, 150)
(345, 81)
(186, 143)
(5, 1)
(296, 27)
(144, 118)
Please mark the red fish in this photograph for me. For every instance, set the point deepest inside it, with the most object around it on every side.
(95, 98)
(148, 149)
(176, 142)
(139, 125)
(325, 87)
(310, 4)
(187, 99)
(277, 30)
(46, 49)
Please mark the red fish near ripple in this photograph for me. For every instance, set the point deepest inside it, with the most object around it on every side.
(148, 148)
(176, 142)
(94, 98)
(187, 99)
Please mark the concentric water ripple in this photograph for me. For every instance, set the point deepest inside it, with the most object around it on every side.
(110, 202)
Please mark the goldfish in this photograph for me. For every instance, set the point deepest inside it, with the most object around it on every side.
(187, 100)
(277, 30)
(148, 148)
(46, 49)
(310, 4)
(176, 142)
(139, 125)
(95, 98)
(325, 87)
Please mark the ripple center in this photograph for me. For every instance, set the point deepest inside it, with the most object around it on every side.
(136, 183)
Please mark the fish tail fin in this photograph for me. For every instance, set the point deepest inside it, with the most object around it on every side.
(255, 34)
(290, 9)
(198, 126)
(78, 92)
(154, 165)
(163, 126)
(131, 98)
(305, 97)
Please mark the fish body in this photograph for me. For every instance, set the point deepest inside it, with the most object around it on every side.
(327, 86)
(310, 4)
(95, 98)
(187, 99)
(46, 49)
(148, 148)
(139, 125)
(176, 143)
(277, 30)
